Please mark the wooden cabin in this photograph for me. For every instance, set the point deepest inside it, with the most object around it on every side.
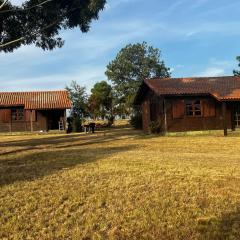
(190, 104)
(33, 111)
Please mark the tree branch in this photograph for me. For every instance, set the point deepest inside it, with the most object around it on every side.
(37, 33)
(24, 37)
(2, 5)
(11, 42)
(25, 9)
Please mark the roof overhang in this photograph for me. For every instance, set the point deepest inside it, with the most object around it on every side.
(220, 88)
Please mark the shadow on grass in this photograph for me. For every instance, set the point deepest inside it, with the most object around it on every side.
(228, 227)
(71, 140)
(46, 161)
(109, 134)
(28, 159)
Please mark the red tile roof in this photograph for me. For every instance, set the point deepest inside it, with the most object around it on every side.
(222, 88)
(36, 100)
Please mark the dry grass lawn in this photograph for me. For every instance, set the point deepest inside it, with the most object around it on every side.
(119, 185)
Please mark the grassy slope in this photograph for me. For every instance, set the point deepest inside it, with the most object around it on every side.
(119, 185)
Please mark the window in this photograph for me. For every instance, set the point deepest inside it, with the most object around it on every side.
(193, 108)
(18, 114)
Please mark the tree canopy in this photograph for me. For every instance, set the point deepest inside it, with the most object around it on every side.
(132, 65)
(78, 97)
(39, 22)
(100, 100)
(237, 72)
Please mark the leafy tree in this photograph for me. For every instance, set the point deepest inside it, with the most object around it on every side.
(132, 65)
(78, 97)
(237, 72)
(100, 100)
(39, 22)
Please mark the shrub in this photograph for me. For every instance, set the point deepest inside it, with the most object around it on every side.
(156, 127)
(110, 120)
(136, 121)
(77, 124)
(69, 124)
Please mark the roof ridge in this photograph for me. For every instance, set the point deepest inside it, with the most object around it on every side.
(225, 87)
(37, 99)
(34, 91)
(201, 77)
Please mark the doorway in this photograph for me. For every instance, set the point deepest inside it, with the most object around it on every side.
(237, 115)
(53, 118)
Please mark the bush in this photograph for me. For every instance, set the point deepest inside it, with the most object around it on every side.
(110, 120)
(156, 127)
(69, 124)
(136, 121)
(77, 124)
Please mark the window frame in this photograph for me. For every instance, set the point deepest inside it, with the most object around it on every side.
(20, 115)
(196, 107)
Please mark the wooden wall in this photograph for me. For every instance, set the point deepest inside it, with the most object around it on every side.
(211, 119)
(152, 110)
(146, 115)
(40, 121)
(177, 121)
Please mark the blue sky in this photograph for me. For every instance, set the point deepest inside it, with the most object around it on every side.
(196, 38)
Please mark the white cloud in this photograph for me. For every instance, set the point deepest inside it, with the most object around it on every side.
(86, 76)
(113, 3)
(179, 66)
(17, 2)
(85, 58)
(172, 7)
(222, 63)
(218, 67)
(204, 28)
(183, 6)
(212, 72)
(219, 9)
(198, 3)
(191, 33)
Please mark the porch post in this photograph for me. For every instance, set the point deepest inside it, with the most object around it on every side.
(165, 115)
(10, 125)
(65, 119)
(31, 120)
(224, 115)
(233, 118)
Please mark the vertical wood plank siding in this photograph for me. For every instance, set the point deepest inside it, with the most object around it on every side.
(42, 110)
(178, 108)
(146, 115)
(177, 121)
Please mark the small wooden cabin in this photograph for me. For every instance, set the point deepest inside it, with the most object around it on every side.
(190, 104)
(33, 111)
